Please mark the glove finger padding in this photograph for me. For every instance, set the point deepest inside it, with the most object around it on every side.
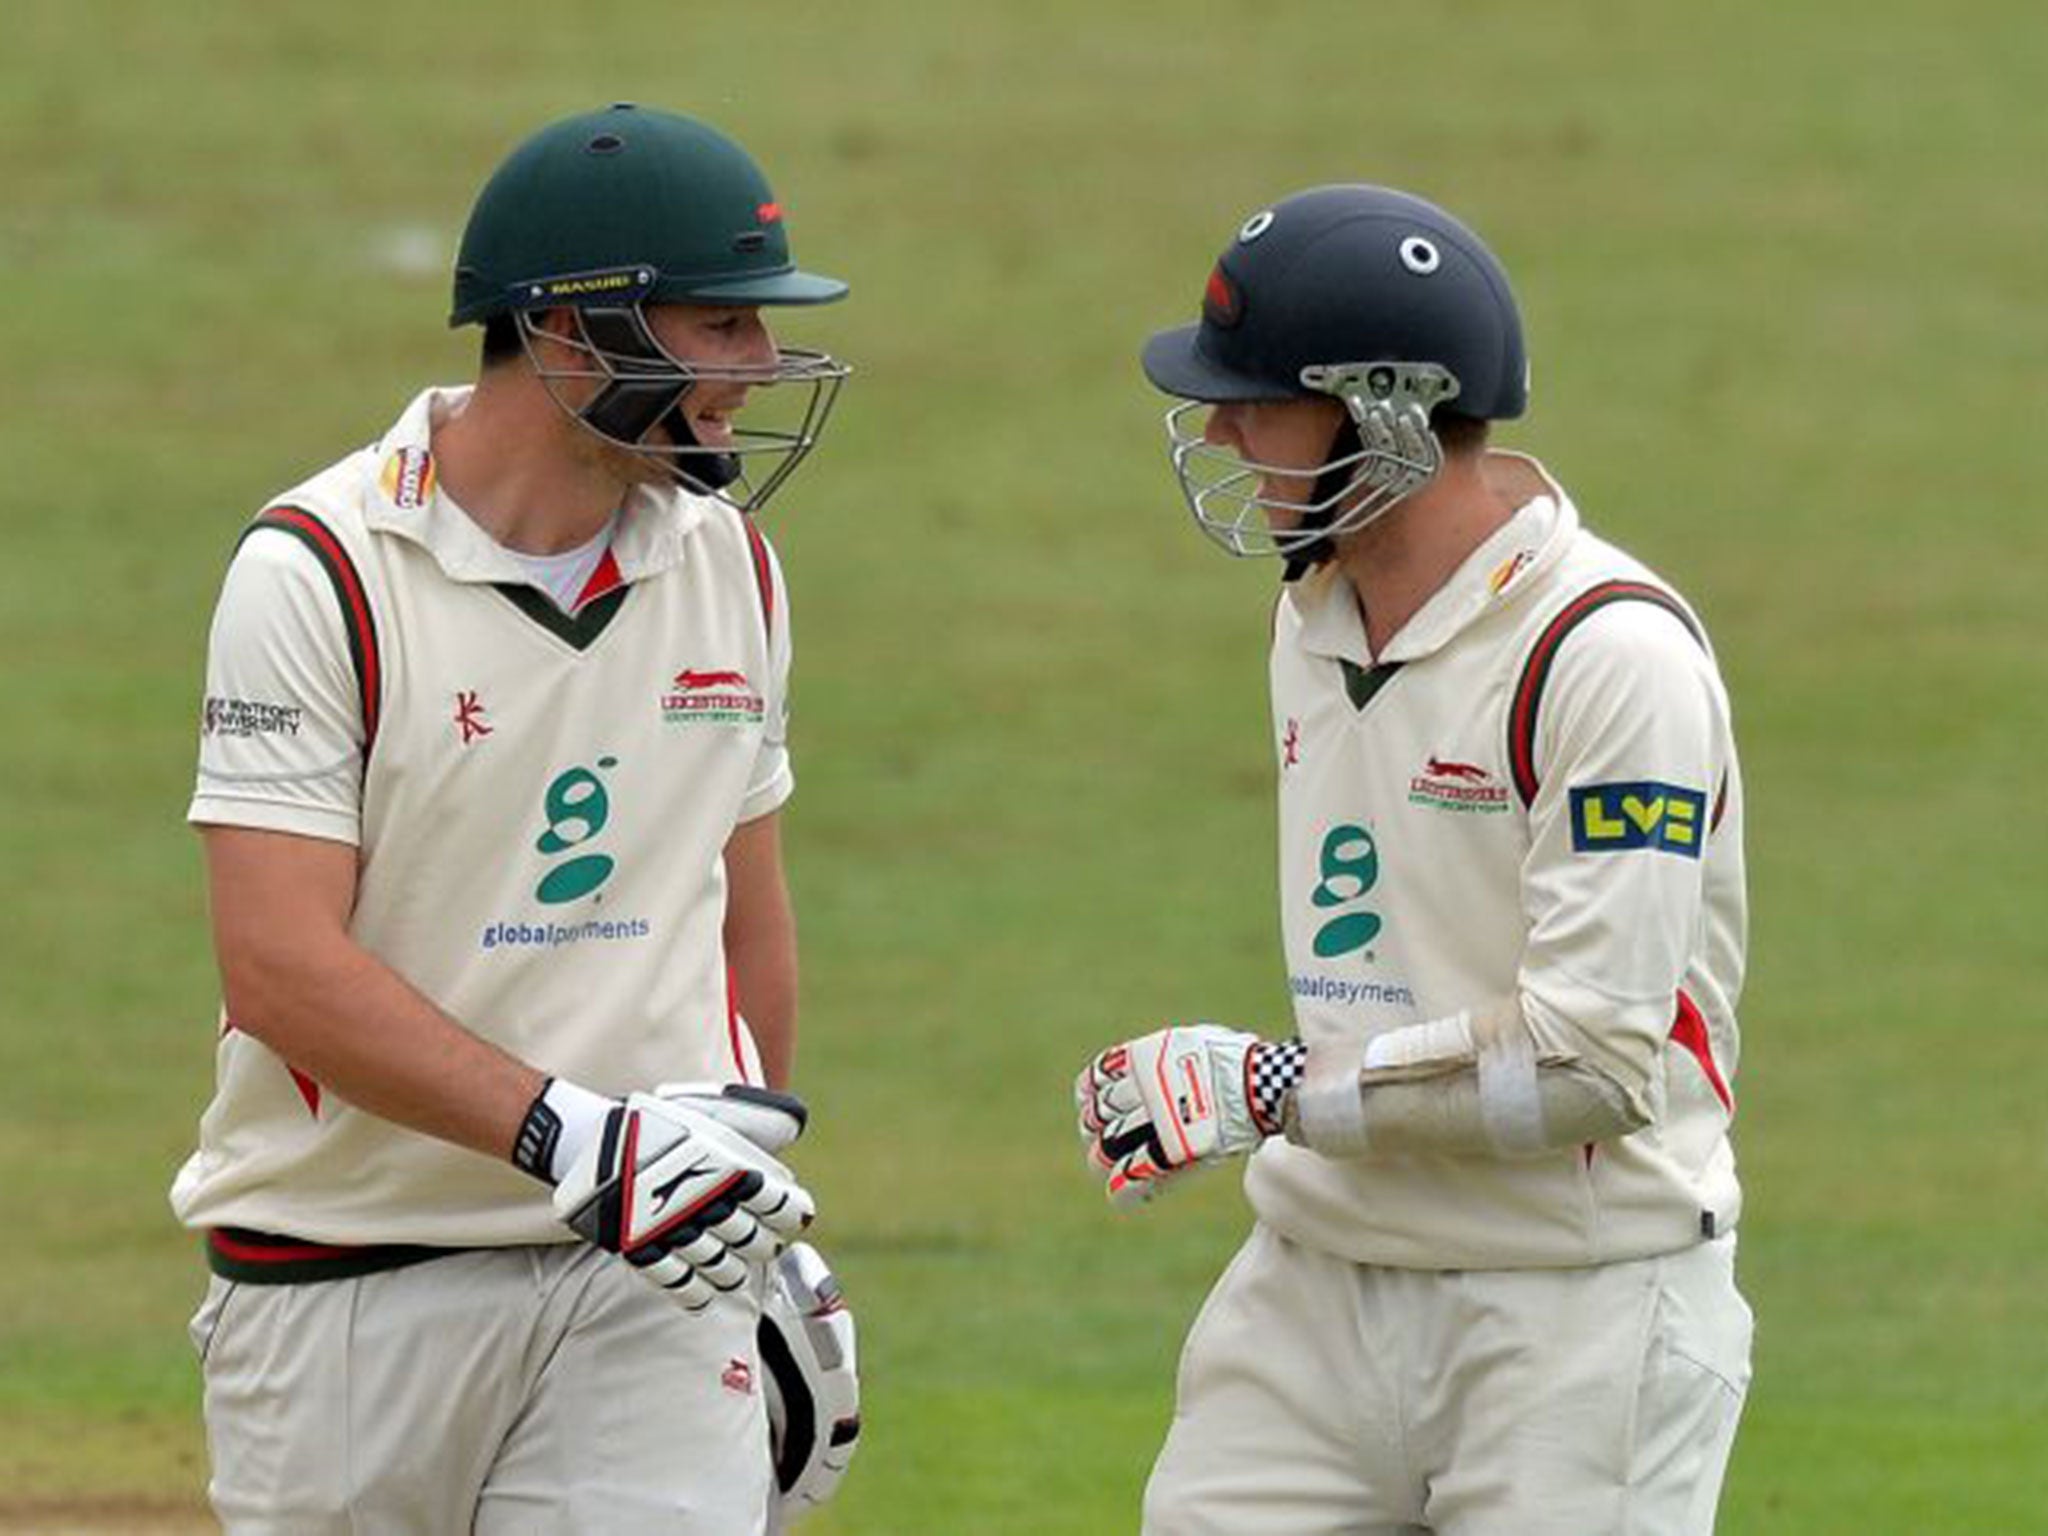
(770, 1120)
(812, 1380)
(690, 1203)
(1093, 1083)
(1113, 1124)
(693, 1288)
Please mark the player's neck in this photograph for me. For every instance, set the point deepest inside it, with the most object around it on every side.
(523, 471)
(1403, 558)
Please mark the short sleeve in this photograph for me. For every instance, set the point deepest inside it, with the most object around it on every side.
(281, 728)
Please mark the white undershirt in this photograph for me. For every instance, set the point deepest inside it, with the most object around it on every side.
(563, 577)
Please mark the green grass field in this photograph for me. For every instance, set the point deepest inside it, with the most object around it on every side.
(1785, 272)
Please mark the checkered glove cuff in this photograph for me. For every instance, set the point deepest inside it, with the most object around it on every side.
(1272, 1069)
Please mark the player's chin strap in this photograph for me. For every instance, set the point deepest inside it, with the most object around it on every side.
(1330, 486)
(646, 391)
(1383, 451)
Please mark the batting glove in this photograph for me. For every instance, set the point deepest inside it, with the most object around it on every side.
(681, 1183)
(1180, 1098)
(812, 1382)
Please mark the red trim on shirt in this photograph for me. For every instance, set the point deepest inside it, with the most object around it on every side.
(604, 578)
(764, 573)
(733, 1026)
(272, 1251)
(309, 1090)
(1689, 1030)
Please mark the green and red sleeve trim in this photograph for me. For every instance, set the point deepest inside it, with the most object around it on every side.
(1542, 659)
(357, 619)
(268, 1258)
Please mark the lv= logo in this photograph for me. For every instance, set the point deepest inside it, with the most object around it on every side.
(1641, 813)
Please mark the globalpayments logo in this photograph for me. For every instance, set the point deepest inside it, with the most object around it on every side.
(1350, 994)
(576, 807)
(516, 935)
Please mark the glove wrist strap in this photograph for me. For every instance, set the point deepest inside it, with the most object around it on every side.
(1273, 1070)
(559, 1123)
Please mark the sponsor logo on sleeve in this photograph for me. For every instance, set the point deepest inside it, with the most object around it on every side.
(1642, 813)
(249, 717)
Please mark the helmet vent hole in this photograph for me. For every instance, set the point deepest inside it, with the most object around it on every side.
(1255, 226)
(606, 144)
(1420, 256)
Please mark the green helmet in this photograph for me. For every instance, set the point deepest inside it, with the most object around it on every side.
(609, 211)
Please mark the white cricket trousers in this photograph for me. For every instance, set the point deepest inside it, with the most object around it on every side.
(1318, 1397)
(544, 1391)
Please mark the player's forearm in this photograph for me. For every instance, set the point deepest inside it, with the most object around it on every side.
(1474, 1084)
(355, 1026)
(293, 978)
(1447, 1117)
(760, 944)
(764, 984)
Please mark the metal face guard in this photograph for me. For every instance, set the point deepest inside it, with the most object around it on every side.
(1388, 403)
(642, 386)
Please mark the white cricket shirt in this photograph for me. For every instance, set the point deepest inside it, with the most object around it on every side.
(540, 801)
(1533, 792)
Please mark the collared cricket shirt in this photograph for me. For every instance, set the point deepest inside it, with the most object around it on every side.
(539, 800)
(1533, 793)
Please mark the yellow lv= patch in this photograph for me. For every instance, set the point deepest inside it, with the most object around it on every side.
(1611, 818)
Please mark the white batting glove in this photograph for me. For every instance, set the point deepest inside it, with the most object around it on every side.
(1180, 1098)
(806, 1345)
(677, 1182)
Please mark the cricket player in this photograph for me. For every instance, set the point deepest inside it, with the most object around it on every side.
(493, 749)
(1490, 1286)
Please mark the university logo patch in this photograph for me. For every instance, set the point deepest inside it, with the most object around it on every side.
(1611, 818)
(249, 717)
(712, 696)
